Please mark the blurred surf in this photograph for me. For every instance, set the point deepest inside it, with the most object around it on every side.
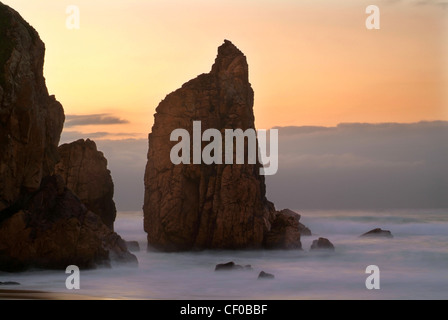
(413, 264)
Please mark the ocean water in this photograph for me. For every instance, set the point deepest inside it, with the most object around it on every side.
(413, 265)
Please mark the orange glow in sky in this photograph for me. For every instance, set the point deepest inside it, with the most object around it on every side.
(310, 62)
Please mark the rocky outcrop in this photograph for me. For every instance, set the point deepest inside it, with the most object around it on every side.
(377, 233)
(42, 223)
(322, 244)
(84, 170)
(30, 119)
(231, 266)
(285, 231)
(304, 230)
(54, 229)
(265, 275)
(199, 206)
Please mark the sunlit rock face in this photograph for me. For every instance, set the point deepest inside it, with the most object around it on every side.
(216, 206)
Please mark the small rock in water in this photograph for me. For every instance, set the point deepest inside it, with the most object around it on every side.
(231, 266)
(378, 233)
(225, 266)
(265, 275)
(9, 283)
(322, 243)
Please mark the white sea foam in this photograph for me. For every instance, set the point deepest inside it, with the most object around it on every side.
(413, 264)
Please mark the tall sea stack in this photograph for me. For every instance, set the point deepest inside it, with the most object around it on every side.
(217, 206)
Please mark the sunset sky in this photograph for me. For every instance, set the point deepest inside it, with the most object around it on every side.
(310, 62)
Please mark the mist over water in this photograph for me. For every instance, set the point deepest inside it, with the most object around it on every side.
(413, 265)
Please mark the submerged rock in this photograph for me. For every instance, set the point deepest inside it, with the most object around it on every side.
(265, 275)
(322, 243)
(378, 233)
(85, 172)
(231, 266)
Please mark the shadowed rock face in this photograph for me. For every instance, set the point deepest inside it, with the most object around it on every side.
(265, 275)
(85, 172)
(198, 206)
(54, 229)
(42, 223)
(230, 266)
(30, 120)
(285, 231)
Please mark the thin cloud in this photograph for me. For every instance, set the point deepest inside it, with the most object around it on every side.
(70, 136)
(72, 120)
